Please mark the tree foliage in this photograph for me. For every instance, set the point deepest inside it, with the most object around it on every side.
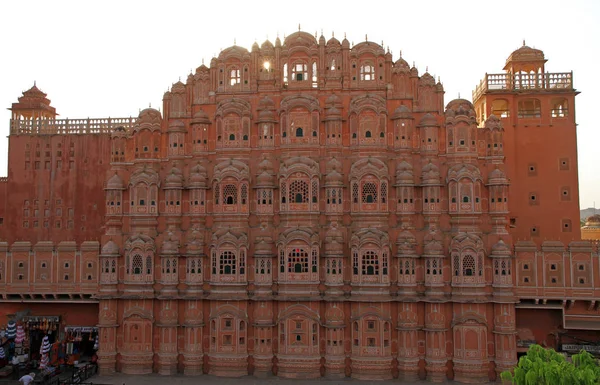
(546, 367)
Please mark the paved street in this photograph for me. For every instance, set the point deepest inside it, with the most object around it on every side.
(154, 379)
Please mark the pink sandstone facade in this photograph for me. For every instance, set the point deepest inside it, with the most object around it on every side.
(307, 209)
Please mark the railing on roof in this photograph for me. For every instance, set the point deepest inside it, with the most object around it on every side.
(69, 126)
(524, 82)
(3, 179)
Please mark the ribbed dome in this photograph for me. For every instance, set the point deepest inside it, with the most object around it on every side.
(263, 246)
(500, 249)
(430, 174)
(176, 126)
(406, 244)
(266, 176)
(195, 242)
(404, 174)
(115, 183)
(497, 177)
(428, 120)
(402, 112)
(170, 245)
(200, 117)
(110, 248)
(402, 64)
(334, 241)
(175, 179)
(198, 176)
(593, 221)
(432, 244)
(334, 316)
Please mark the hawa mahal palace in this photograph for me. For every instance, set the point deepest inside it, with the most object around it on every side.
(307, 208)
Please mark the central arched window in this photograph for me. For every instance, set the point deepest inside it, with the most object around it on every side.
(298, 256)
(227, 262)
(234, 76)
(370, 257)
(367, 71)
(369, 194)
(467, 268)
(137, 265)
(299, 191)
(299, 71)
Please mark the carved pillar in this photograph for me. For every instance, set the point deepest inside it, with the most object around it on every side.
(107, 329)
(408, 351)
(192, 345)
(435, 342)
(167, 336)
(505, 337)
(335, 358)
(263, 337)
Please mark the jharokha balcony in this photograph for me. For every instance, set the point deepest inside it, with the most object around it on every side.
(524, 82)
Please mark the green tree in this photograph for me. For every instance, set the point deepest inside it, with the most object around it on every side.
(546, 367)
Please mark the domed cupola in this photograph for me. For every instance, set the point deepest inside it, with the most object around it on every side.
(174, 179)
(198, 177)
(115, 183)
(404, 174)
(406, 245)
(334, 178)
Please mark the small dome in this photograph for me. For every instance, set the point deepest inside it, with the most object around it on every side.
(404, 174)
(493, 123)
(178, 87)
(500, 249)
(266, 115)
(428, 120)
(402, 112)
(460, 107)
(432, 244)
(525, 55)
(263, 246)
(593, 221)
(333, 99)
(255, 47)
(266, 46)
(497, 177)
(170, 245)
(200, 117)
(427, 80)
(176, 126)
(334, 316)
(334, 237)
(263, 315)
(414, 71)
(406, 244)
(198, 177)
(333, 42)
(110, 248)
(430, 174)
(266, 102)
(174, 179)
(115, 183)
(345, 43)
(402, 64)
(265, 180)
(195, 242)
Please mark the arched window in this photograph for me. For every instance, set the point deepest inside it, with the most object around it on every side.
(300, 71)
(137, 265)
(227, 263)
(234, 76)
(314, 74)
(559, 108)
(367, 71)
(299, 132)
(530, 108)
(298, 191)
(285, 74)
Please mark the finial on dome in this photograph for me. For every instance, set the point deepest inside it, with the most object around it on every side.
(400, 54)
(332, 34)
(382, 42)
(459, 95)
(202, 60)
(34, 83)
(344, 35)
(523, 42)
(426, 68)
(150, 105)
(298, 26)
(321, 31)
(234, 41)
(413, 63)
(366, 37)
(439, 80)
(315, 34)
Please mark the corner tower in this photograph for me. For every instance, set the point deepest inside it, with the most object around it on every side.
(537, 110)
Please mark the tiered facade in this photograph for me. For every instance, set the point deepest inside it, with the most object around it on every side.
(308, 209)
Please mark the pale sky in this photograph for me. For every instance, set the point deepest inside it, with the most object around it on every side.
(113, 58)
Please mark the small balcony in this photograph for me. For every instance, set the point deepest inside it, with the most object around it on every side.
(524, 82)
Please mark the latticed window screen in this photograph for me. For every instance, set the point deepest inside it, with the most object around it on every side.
(369, 192)
(113, 266)
(355, 263)
(315, 191)
(480, 265)
(230, 194)
(383, 192)
(456, 265)
(408, 268)
(227, 262)
(244, 194)
(148, 265)
(370, 263)
(433, 267)
(355, 193)
(297, 261)
(283, 192)
(315, 261)
(298, 192)
(468, 265)
(217, 194)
